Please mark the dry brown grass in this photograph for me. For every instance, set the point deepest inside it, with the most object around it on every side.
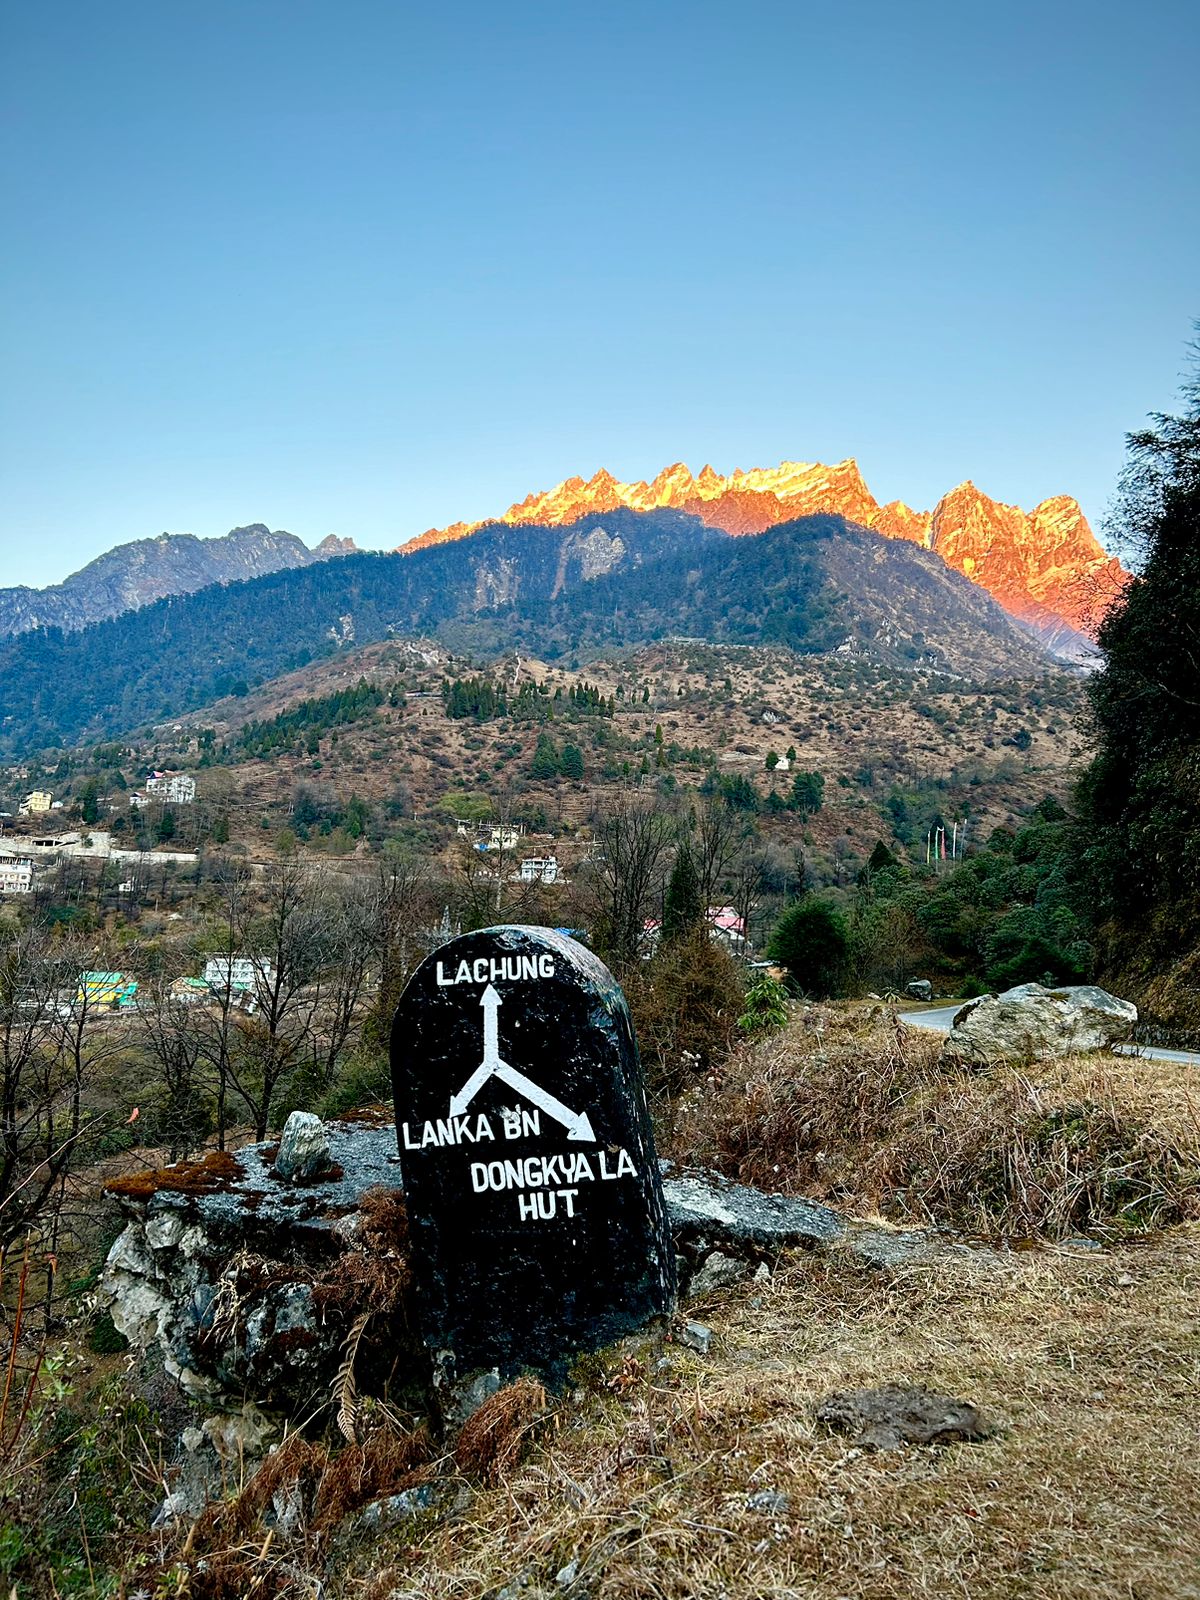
(385, 1464)
(233, 1550)
(860, 1113)
(1089, 1488)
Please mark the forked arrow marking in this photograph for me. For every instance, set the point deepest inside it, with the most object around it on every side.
(578, 1125)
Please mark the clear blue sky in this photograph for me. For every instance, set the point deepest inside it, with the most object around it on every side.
(363, 267)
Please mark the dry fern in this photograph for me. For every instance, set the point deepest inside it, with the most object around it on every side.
(344, 1390)
(493, 1438)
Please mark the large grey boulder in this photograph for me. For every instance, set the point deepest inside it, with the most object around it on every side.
(303, 1148)
(1031, 1023)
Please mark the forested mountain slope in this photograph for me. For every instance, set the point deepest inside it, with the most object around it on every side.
(621, 577)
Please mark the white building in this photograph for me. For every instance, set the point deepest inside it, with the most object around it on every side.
(16, 873)
(240, 974)
(539, 869)
(171, 788)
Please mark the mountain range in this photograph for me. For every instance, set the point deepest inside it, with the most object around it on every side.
(146, 570)
(817, 585)
(1044, 566)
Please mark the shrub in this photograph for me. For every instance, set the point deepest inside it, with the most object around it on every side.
(685, 1004)
(766, 1006)
(811, 940)
(1087, 1143)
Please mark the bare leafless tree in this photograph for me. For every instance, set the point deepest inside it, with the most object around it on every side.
(351, 912)
(719, 838)
(56, 1039)
(214, 1025)
(634, 835)
(172, 1036)
(746, 877)
(284, 942)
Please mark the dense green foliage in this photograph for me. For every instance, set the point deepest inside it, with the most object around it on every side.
(1140, 835)
(1007, 914)
(473, 697)
(767, 590)
(812, 941)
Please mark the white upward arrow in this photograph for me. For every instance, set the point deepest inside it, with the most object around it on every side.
(490, 1001)
(578, 1125)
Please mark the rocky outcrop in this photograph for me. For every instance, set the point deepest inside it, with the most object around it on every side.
(137, 574)
(1030, 1023)
(1044, 566)
(303, 1148)
(248, 1279)
(253, 1285)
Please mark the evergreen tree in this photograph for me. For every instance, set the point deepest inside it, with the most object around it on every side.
(682, 908)
(545, 764)
(811, 940)
(880, 859)
(571, 763)
(90, 801)
(1140, 832)
(808, 792)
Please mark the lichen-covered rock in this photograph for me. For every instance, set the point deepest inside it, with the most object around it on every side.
(919, 989)
(1031, 1023)
(303, 1147)
(717, 1271)
(704, 1207)
(251, 1286)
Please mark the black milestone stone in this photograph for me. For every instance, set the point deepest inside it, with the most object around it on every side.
(536, 1216)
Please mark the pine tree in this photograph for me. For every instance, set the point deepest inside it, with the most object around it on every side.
(808, 792)
(682, 909)
(546, 764)
(1140, 823)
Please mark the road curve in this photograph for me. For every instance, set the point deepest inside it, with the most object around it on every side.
(940, 1018)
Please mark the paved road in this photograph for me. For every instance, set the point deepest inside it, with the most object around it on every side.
(939, 1019)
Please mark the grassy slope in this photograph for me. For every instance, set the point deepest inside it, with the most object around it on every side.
(1083, 1360)
(1090, 1487)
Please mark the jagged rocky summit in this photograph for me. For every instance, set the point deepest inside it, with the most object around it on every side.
(1044, 566)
